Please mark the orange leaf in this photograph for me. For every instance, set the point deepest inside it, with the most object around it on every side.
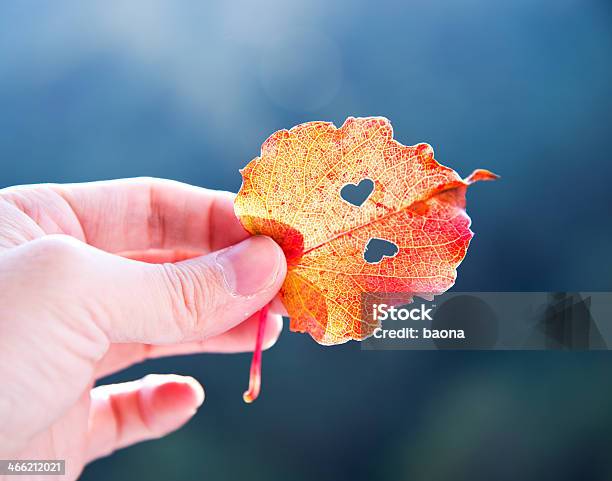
(292, 194)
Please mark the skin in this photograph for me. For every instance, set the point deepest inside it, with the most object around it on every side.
(96, 277)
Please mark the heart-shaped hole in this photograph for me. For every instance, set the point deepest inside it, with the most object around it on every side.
(376, 249)
(357, 194)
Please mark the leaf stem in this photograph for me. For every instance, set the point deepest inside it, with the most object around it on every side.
(255, 374)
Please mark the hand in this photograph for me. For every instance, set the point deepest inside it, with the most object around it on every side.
(96, 277)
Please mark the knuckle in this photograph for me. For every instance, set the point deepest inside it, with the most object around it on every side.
(57, 252)
(148, 182)
(190, 294)
(151, 183)
(53, 266)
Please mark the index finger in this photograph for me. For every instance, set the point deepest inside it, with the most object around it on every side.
(140, 214)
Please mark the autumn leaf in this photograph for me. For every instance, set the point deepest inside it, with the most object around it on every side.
(292, 193)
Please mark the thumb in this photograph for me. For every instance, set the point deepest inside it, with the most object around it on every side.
(196, 298)
(134, 301)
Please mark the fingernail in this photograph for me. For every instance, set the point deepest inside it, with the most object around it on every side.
(251, 266)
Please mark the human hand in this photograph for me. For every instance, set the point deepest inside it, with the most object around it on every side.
(95, 277)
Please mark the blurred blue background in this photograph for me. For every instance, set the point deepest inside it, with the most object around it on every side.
(189, 90)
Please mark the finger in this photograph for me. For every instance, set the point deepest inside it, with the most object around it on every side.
(133, 214)
(238, 339)
(124, 414)
(159, 256)
(277, 307)
(132, 301)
